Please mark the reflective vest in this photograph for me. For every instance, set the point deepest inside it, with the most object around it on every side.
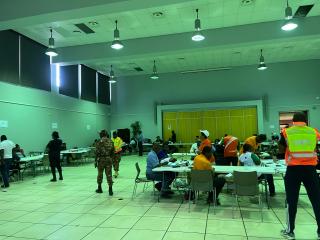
(117, 144)
(230, 146)
(301, 145)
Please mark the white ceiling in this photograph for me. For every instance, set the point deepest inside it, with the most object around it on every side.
(139, 24)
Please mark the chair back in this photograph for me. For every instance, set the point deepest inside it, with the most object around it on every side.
(246, 183)
(202, 180)
(138, 170)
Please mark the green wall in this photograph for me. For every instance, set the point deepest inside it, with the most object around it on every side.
(30, 114)
(283, 87)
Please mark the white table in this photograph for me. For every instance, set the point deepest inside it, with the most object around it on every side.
(224, 169)
(32, 162)
(182, 155)
(75, 151)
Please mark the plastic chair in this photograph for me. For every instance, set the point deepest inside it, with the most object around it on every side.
(202, 180)
(246, 184)
(140, 180)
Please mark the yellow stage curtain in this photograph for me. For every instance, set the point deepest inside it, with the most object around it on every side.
(239, 122)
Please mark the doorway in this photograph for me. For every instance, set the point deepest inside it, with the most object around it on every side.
(285, 118)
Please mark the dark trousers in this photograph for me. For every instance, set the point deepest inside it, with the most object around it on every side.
(218, 183)
(4, 169)
(296, 175)
(166, 178)
(140, 147)
(116, 161)
(226, 161)
(270, 181)
(53, 165)
(105, 166)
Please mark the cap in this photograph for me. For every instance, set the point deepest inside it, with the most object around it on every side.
(205, 132)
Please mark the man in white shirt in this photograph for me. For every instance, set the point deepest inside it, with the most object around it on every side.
(7, 146)
(195, 146)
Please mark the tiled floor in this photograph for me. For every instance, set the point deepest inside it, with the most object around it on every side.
(71, 210)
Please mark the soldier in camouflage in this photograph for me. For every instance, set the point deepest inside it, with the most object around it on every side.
(104, 158)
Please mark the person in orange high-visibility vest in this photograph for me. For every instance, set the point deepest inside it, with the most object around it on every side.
(231, 144)
(301, 158)
(117, 142)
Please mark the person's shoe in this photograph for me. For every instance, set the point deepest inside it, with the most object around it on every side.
(61, 178)
(53, 180)
(116, 174)
(287, 235)
(218, 202)
(4, 186)
(110, 191)
(165, 195)
(99, 189)
(158, 186)
(272, 194)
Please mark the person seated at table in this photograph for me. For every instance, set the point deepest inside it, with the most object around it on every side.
(254, 142)
(164, 151)
(204, 161)
(165, 178)
(248, 158)
(158, 139)
(195, 146)
(18, 152)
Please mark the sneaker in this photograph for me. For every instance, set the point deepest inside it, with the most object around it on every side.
(61, 178)
(288, 235)
(158, 186)
(53, 180)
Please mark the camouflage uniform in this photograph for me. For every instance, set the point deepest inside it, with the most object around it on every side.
(104, 156)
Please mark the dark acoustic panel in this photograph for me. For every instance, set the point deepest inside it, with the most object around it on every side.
(9, 56)
(69, 81)
(103, 89)
(35, 65)
(124, 134)
(88, 84)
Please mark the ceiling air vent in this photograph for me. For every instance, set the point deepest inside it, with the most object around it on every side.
(138, 69)
(84, 28)
(303, 11)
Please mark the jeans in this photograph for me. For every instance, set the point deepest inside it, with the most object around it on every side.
(4, 169)
(165, 177)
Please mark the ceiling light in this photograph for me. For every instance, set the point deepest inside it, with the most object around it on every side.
(262, 64)
(116, 43)
(154, 75)
(51, 51)
(112, 76)
(197, 36)
(289, 25)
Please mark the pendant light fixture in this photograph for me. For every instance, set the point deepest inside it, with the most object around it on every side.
(289, 24)
(197, 36)
(51, 51)
(154, 75)
(116, 43)
(262, 64)
(112, 76)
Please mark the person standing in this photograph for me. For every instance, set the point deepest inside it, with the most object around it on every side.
(117, 142)
(205, 141)
(104, 158)
(230, 154)
(7, 146)
(140, 143)
(54, 148)
(301, 159)
(173, 136)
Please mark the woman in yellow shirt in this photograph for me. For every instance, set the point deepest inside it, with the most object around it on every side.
(203, 162)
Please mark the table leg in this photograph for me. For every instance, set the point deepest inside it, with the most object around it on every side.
(266, 190)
